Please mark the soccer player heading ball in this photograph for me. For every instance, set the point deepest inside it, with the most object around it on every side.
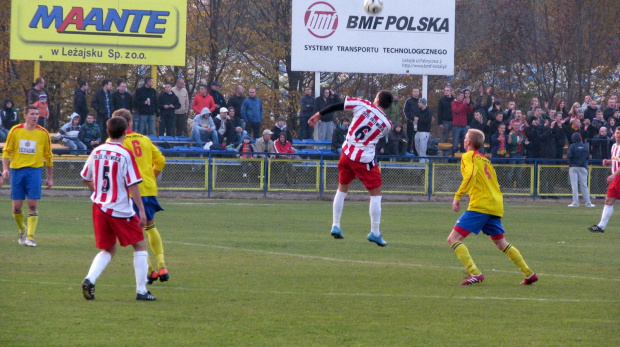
(357, 159)
(485, 210)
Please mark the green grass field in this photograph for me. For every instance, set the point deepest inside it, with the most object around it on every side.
(267, 273)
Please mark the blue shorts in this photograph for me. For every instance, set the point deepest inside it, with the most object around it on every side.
(26, 182)
(151, 205)
(473, 222)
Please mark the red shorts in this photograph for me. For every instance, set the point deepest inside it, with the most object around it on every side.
(348, 170)
(108, 228)
(613, 191)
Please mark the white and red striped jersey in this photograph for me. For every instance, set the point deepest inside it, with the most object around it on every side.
(615, 157)
(112, 168)
(368, 126)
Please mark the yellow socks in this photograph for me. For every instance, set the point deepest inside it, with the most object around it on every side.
(20, 220)
(33, 220)
(517, 259)
(462, 253)
(156, 245)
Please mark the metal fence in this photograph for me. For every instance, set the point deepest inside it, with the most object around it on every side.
(319, 174)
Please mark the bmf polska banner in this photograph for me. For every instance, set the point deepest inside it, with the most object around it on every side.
(141, 32)
(406, 37)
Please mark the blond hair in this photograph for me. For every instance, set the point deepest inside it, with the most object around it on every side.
(476, 138)
(124, 113)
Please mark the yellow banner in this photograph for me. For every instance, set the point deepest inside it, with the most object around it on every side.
(100, 31)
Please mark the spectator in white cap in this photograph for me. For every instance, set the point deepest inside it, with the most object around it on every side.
(265, 144)
(225, 129)
(203, 128)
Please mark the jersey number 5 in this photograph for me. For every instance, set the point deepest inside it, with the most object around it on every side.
(105, 183)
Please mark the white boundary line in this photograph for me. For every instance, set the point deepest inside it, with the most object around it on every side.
(342, 294)
(315, 257)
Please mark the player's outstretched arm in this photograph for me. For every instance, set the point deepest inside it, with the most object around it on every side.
(329, 109)
(314, 119)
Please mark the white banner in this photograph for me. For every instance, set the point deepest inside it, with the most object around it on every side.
(406, 37)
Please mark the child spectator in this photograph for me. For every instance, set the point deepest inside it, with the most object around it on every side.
(246, 150)
(44, 110)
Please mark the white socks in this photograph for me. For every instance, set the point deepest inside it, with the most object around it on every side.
(102, 259)
(608, 210)
(141, 268)
(375, 214)
(374, 211)
(337, 207)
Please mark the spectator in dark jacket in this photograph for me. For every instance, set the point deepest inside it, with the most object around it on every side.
(444, 113)
(235, 102)
(306, 107)
(411, 109)
(90, 134)
(325, 127)
(102, 104)
(38, 89)
(424, 129)
(499, 142)
(168, 102)
(574, 127)
(559, 136)
(397, 141)
(121, 98)
(225, 128)
(547, 141)
(146, 106)
(8, 117)
(578, 154)
(280, 127)
(588, 130)
(493, 124)
(80, 104)
(218, 98)
(340, 134)
(601, 145)
(477, 123)
(533, 134)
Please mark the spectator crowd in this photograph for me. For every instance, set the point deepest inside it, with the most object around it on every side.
(540, 131)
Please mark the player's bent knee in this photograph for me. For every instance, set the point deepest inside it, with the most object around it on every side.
(454, 237)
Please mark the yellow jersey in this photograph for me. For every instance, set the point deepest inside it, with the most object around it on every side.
(148, 158)
(480, 181)
(28, 148)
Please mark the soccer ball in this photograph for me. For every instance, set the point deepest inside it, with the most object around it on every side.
(373, 6)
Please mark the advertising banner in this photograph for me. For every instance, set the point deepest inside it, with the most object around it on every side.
(406, 37)
(99, 31)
